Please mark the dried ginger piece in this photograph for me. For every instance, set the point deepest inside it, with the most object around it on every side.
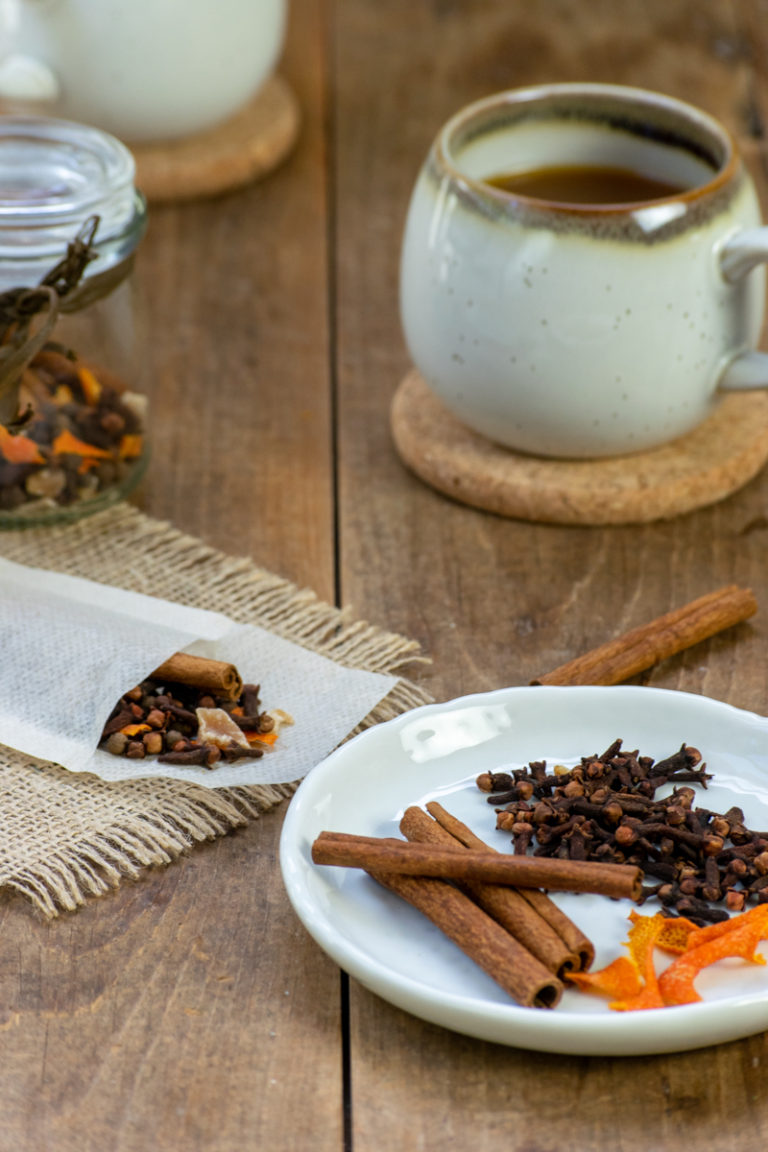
(215, 726)
(280, 719)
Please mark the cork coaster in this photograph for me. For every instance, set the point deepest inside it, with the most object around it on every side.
(242, 149)
(713, 461)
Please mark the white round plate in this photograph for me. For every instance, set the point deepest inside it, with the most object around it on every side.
(435, 752)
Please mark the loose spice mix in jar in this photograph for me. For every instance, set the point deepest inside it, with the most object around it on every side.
(72, 429)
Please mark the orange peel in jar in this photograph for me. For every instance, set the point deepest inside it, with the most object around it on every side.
(19, 449)
(67, 444)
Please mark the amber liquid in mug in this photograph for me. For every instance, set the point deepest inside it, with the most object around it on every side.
(585, 184)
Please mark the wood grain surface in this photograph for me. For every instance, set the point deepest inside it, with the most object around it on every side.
(190, 1011)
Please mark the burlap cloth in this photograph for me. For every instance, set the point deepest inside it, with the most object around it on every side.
(67, 836)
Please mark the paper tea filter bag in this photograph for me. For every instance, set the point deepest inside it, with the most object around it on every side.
(72, 647)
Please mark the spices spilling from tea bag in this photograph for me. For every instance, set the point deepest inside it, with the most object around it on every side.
(72, 648)
(188, 723)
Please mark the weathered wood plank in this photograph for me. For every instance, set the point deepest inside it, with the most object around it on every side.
(191, 1010)
(397, 535)
(453, 1090)
(496, 602)
(236, 338)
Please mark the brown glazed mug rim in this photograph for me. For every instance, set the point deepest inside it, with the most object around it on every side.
(469, 121)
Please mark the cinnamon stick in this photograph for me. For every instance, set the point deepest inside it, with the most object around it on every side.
(402, 857)
(573, 937)
(523, 977)
(215, 676)
(570, 933)
(642, 647)
(575, 941)
(457, 829)
(505, 905)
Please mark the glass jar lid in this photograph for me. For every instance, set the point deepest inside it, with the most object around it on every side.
(55, 175)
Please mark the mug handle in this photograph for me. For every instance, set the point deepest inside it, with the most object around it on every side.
(743, 252)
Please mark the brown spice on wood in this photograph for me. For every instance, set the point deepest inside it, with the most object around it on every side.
(642, 647)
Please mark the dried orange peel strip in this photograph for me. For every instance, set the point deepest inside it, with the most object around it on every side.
(135, 729)
(90, 385)
(643, 937)
(632, 981)
(740, 939)
(620, 980)
(629, 980)
(758, 914)
(18, 449)
(265, 738)
(68, 444)
(131, 444)
(676, 934)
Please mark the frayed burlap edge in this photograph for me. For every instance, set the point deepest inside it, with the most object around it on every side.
(96, 833)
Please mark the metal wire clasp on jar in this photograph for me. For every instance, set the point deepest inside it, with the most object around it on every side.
(72, 425)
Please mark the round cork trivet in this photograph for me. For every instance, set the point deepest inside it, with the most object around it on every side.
(242, 149)
(708, 464)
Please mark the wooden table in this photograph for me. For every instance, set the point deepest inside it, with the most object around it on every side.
(191, 1011)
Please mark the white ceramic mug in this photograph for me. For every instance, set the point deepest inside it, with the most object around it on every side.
(141, 69)
(576, 329)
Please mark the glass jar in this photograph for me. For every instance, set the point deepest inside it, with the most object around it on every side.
(73, 436)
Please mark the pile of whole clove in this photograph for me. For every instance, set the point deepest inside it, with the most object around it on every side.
(182, 724)
(605, 809)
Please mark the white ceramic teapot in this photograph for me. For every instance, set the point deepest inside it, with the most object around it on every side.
(140, 69)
